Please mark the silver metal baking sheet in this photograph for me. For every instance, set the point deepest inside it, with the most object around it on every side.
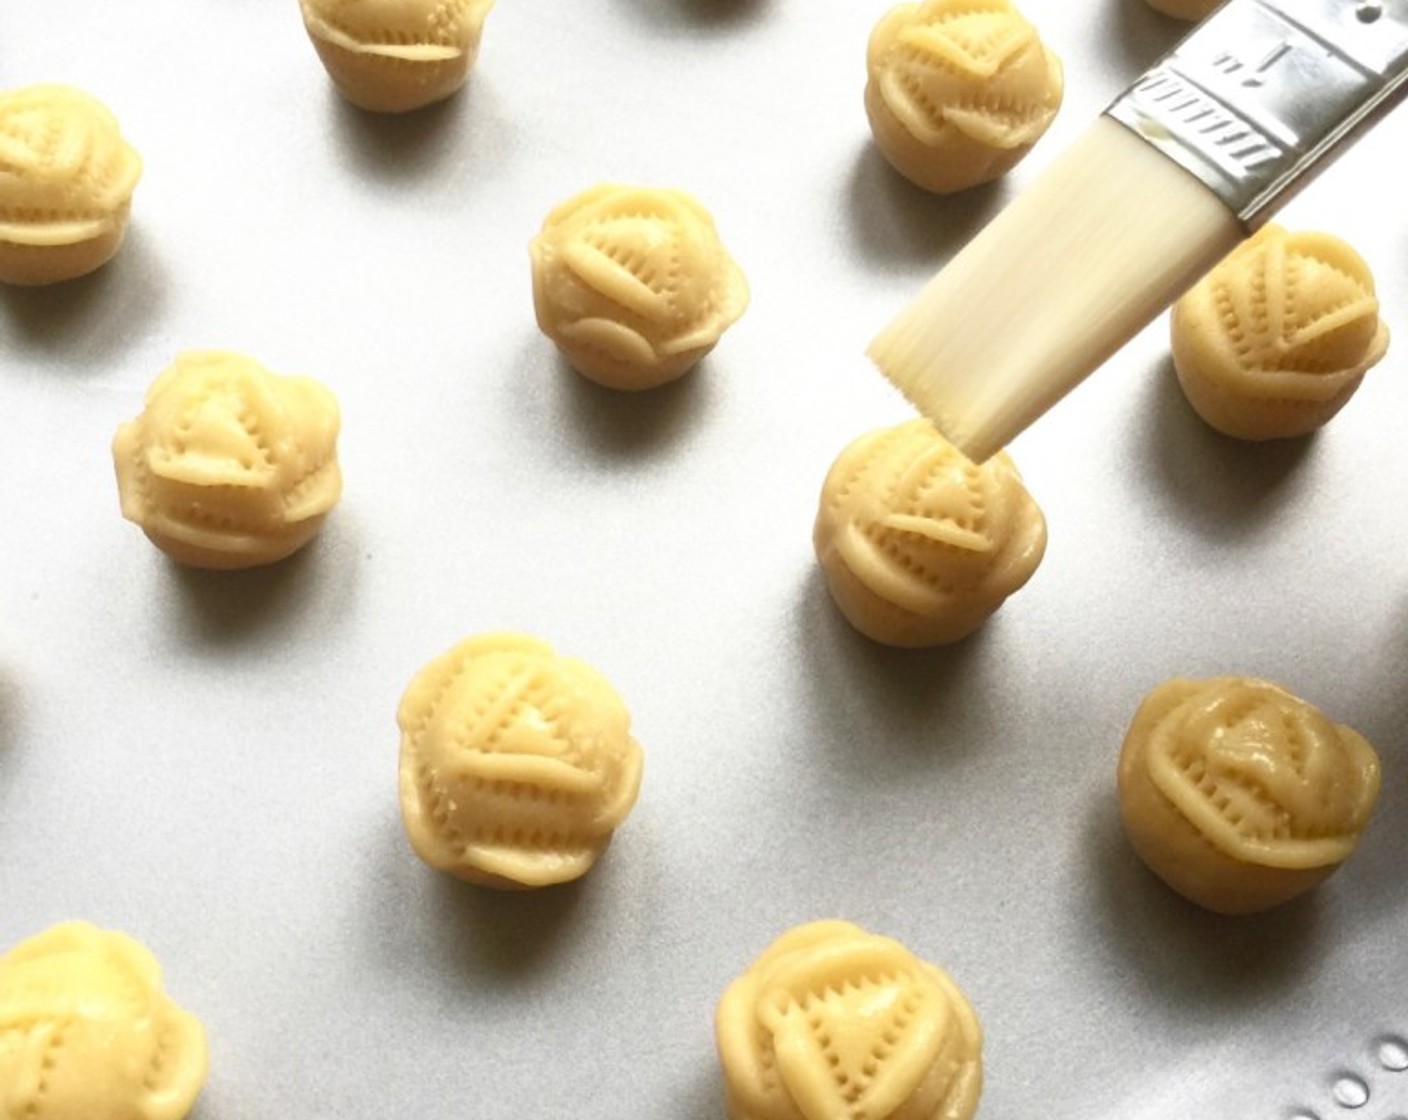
(208, 761)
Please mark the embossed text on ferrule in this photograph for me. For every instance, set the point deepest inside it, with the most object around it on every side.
(1255, 98)
(1292, 84)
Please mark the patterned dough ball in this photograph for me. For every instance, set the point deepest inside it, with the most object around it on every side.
(66, 183)
(229, 465)
(833, 1023)
(958, 91)
(1240, 795)
(919, 545)
(516, 764)
(394, 55)
(633, 284)
(87, 1033)
(1277, 337)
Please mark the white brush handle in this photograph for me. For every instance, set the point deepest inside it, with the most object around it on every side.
(1257, 98)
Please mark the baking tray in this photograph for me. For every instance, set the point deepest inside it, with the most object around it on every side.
(208, 761)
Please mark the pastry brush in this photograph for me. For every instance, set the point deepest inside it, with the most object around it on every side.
(1198, 153)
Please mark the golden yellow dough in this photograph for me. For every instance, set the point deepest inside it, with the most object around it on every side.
(1240, 795)
(516, 764)
(919, 545)
(1185, 9)
(833, 1023)
(1277, 337)
(633, 284)
(229, 465)
(66, 183)
(395, 55)
(958, 91)
(87, 1033)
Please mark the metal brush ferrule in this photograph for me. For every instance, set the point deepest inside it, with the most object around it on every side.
(1259, 95)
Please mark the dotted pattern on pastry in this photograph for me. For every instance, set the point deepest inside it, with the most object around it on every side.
(1286, 806)
(599, 232)
(1273, 272)
(965, 73)
(39, 1016)
(54, 139)
(229, 507)
(850, 1085)
(518, 692)
(909, 473)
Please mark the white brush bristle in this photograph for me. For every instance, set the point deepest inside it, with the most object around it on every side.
(1105, 238)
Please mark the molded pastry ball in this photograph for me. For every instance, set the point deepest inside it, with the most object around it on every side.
(958, 90)
(633, 284)
(920, 545)
(394, 55)
(1185, 9)
(516, 764)
(229, 465)
(833, 1023)
(66, 182)
(1239, 795)
(87, 1033)
(1277, 337)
